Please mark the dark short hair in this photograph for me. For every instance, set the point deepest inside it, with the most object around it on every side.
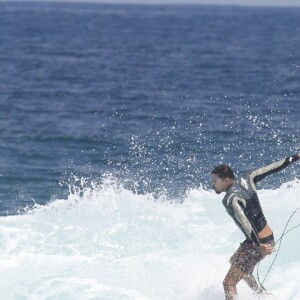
(223, 171)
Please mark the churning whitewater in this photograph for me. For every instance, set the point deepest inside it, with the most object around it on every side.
(106, 242)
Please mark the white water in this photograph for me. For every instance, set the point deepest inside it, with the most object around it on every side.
(105, 242)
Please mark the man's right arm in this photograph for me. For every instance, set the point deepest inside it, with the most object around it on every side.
(261, 173)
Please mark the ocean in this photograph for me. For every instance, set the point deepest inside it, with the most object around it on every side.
(111, 119)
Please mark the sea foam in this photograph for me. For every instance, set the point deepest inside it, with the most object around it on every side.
(106, 242)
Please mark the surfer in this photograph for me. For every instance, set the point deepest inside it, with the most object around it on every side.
(242, 204)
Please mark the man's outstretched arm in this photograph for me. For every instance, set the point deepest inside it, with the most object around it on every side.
(261, 173)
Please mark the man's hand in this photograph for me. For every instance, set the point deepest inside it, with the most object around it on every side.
(266, 249)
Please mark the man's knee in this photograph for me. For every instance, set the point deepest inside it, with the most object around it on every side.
(233, 277)
(229, 282)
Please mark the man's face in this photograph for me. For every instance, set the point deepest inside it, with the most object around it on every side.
(218, 184)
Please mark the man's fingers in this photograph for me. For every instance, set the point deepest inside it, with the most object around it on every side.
(270, 249)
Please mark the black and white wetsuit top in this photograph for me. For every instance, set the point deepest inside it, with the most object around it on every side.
(242, 203)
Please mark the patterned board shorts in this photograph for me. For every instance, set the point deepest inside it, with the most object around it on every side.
(247, 256)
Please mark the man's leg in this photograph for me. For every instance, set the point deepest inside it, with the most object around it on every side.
(251, 281)
(232, 278)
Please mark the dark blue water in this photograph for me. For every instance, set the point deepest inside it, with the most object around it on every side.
(154, 95)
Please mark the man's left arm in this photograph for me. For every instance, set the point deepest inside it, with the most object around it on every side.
(238, 205)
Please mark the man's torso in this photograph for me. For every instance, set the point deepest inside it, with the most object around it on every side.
(249, 201)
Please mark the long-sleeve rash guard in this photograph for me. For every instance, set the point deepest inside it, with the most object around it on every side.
(242, 203)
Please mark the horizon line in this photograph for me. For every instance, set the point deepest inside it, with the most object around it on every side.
(154, 4)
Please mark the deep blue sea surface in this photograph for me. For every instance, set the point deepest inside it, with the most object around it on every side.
(155, 96)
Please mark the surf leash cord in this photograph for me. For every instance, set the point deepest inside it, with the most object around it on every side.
(284, 232)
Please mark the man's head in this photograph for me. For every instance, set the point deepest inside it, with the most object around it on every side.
(222, 178)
